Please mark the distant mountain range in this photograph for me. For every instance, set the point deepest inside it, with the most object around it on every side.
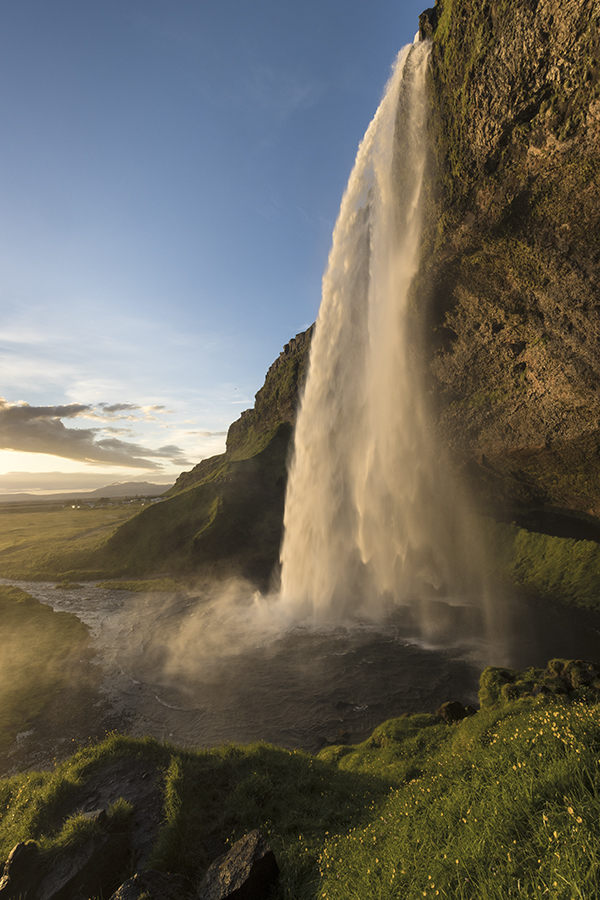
(118, 490)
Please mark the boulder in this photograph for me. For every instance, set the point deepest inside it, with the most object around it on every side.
(581, 673)
(247, 872)
(452, 711)
(153, 885)
(93, 869)
(22, 872)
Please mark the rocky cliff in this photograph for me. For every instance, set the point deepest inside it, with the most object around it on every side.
(507, 296)
(513, 256)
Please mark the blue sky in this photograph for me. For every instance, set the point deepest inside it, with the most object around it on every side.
(170, 174)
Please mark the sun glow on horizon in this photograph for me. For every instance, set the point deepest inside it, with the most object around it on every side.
(21, 471)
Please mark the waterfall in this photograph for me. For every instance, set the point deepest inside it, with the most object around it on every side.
(371, 520)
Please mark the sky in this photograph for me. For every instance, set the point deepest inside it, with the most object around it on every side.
(170, 175)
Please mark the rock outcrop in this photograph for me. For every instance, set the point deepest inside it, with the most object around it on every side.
(575, 678)
(275, 404)
(513, 262)
(249, 871)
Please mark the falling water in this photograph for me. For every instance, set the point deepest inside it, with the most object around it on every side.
(371, 519)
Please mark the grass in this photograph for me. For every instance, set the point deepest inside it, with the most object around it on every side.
(38, 646)
(506, 804)
(48, 541)
(29, 801)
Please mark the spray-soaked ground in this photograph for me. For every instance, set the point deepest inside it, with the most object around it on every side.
(201, 669)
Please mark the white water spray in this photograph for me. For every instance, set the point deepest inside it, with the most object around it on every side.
(371, 521)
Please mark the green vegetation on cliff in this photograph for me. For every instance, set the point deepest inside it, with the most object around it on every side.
(505, 804)
(229, 521)
(545, 566)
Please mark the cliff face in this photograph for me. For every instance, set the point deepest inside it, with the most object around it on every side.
(226, 515)
(513, 256)
(275, 404)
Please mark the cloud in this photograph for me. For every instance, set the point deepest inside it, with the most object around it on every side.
(39, 429)
(136, 413)
(117, 407)
(208, 433)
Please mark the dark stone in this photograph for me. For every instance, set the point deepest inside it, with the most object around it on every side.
(428, 21)
(94, 869)
(248, 872)
(156, 886)
(540, 689)
(341, 736)
(452, 711)
(470, 710)
(22, 872)
(581, 673)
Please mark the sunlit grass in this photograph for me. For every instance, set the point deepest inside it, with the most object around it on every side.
(509, 807)
(504, 805)
(50, 542)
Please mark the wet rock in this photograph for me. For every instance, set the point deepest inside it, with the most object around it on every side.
(247, 872)
(153, 885)
(22, 872)
(452, 711)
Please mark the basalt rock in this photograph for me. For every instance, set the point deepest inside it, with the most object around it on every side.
(153, 885)
(91, 869)
(512, 261)
(22, 872)
(574, 678)
(454, 711)
(248, 872)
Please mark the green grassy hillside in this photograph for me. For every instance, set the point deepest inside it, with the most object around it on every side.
(231, 520)
(505, 804)
(226, 514)
(42, 651)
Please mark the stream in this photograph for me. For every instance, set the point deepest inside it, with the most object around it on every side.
(201, 669)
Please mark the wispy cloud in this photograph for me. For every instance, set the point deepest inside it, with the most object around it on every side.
(208, 433)
(134, 412)
(40, 429)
